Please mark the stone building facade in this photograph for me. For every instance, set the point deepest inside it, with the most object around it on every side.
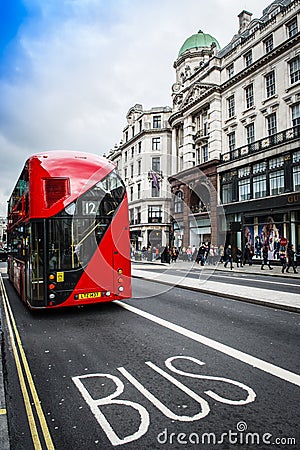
(235, 121)
(143, 158)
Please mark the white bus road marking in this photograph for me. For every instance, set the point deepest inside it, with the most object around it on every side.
(143, 423)
(269, 368)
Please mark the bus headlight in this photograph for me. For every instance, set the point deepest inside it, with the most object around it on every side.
(52, 296)
(120, 288)
(107, 293)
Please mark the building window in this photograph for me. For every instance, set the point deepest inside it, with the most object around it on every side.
(296, 178)
(126, 136)
(125, 156)
(276, 163)
(295, 70)
(230, 71)
(249, 96)
(244, 183)
(248, 58)
(131, 216)
(244, 189)
(231, 106)
(139, 190)
(259, 180)
(131, 193)
(231, 141)
(269, 45)
(132, 152)
(226, 193)
(296, 170)
(178, 202)
(131, 170)
(270, 84)
(276, 182)
(138, 215)
(154, 190)
(156, 143)
(156, 164)
(154, 214)
(259, 168)
(226, 187)
(139, 168)
(272, 124)
(296, 115)
(250, 133)
(140, 147)
(125, 173)
(156, 121)
(292, 28)
(204, 153)
(140, 125)
(276, 175)
(259, 186)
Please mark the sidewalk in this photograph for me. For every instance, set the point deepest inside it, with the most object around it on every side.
(261, 296)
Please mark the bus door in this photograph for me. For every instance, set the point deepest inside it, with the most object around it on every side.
(35, 265)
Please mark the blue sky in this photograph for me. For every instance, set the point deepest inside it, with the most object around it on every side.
(71, 69)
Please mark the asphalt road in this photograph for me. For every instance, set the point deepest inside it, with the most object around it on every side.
(169, 369)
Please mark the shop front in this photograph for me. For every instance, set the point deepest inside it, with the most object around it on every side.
(274, 222)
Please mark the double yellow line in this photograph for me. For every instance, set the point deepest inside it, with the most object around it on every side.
(24, 375)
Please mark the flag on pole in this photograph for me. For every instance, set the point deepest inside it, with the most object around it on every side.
(155, 180)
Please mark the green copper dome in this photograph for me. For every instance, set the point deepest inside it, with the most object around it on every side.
(198, 40)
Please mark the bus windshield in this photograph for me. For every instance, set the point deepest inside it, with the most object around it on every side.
(75, 233)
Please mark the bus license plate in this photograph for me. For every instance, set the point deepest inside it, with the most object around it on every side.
(89, 295)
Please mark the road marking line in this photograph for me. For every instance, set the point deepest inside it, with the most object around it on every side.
(223, 348)
(16, 343)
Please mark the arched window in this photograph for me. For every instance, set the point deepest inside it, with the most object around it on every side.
(178, 202)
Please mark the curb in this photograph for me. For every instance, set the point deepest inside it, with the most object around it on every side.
(225, 295)
(4, 435)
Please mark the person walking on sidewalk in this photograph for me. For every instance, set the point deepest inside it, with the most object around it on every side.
(239, 257)
(265, 255)
(291, 258)
(248, 254)
(228, 255)
(282, 258)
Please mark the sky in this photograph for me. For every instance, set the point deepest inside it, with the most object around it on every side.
(70, 70)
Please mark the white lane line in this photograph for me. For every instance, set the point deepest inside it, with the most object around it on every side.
(237, 354)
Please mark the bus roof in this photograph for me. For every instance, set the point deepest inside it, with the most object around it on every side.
(56, 178)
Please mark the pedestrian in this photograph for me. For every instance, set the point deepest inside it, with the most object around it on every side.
(201, 254)
(291, 258)
(265, 256)
(175, 253)
(165, 256)
(189, 253)
(194, 253)
(248, 254)
(282, 258)
(258, 247)
(239, 257)
(228, 256)
(221, 253)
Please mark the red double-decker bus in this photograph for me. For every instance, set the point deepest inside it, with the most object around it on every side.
(68, 231)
